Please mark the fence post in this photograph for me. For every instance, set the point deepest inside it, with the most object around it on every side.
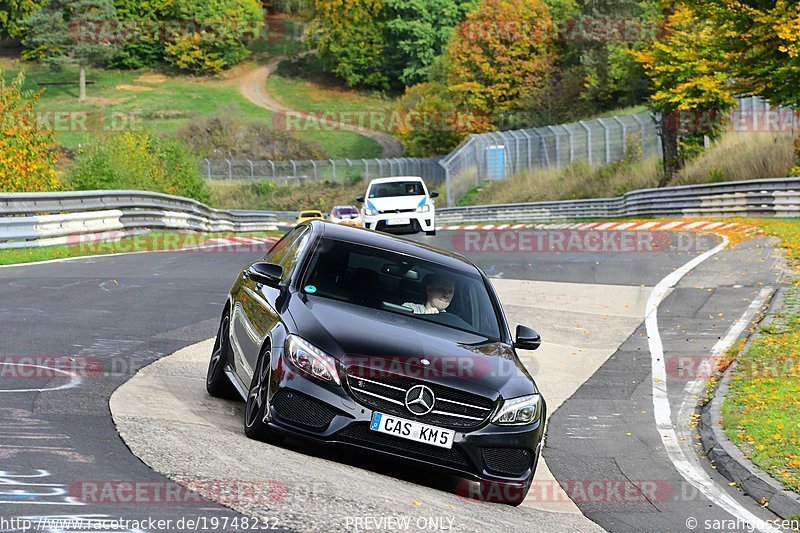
(448, 189)
(624, 135)
(571, 144)
(274, 176)
(294, 169)
(230, 169)
(588, 141)
(558, 146)
(641, 128)
(252, 173)
(605, 137)
(333, 163)
(314, 164)
(380, 167)
(208, 166)
(366, 170)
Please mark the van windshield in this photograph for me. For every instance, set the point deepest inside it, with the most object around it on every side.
(396, 188)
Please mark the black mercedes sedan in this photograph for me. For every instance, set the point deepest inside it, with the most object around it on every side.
(352, 337)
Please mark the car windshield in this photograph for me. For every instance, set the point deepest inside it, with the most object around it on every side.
(344, 211)
(386, 280)
(396, 188)
(310, 214)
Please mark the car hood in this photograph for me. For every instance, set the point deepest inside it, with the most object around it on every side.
(396, 202)
(386, 341)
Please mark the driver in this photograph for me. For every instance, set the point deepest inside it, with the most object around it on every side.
(439, 291)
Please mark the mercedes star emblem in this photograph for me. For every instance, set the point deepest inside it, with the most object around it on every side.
(420, 400)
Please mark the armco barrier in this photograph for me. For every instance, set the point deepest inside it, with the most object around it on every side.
(44, 219)
(759, 198)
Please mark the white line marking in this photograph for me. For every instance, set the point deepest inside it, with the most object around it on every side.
(647, 225)
(663, 412)
(714, 225)
(626, 225)
(672, 225)
(695, 225)
(74, 380)
(607, 225)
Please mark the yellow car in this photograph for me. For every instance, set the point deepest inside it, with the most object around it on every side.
(310, 215)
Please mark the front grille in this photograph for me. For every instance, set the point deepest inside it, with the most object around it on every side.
(392, 211)
(294, 407)
(362, 435)
(509, 461)
(386, 393)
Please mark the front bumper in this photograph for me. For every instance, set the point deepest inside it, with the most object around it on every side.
(417, 222)
(503, 455)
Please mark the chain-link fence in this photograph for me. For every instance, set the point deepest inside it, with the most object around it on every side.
(337, 171)
(496, 156)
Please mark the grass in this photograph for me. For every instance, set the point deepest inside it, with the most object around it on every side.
(164, 101)
(734, 157)
(761, 412)
(265, 195)
(146, 242)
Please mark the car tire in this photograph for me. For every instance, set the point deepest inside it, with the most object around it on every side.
(431, 233)
(217, 382)
(257, 403)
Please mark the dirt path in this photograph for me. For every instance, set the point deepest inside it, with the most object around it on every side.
(253, 85)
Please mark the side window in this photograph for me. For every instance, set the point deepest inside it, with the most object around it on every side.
(276, 252)
(290, 254)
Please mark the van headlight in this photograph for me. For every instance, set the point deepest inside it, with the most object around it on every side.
(519, 411)
(424, 208)
(311, 360)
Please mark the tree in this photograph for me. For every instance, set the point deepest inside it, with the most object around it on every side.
(500, 57)
(72, 33)
(762, 38)
(12, 12)
(417, 33)
(28, 153)
(688, 70)
(385, 44)
(213, 33)
(349, 36)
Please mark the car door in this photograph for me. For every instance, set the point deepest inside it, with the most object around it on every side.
(255, 312)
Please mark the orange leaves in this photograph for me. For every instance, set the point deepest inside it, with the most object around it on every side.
(28, 153)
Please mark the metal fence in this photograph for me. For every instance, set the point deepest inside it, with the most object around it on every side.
(481, 157)
(333, 170)
(496, 156)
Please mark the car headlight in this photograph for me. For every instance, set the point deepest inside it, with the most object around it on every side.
(370, 212)
(518, 411)
(424, 208)
(311, 360)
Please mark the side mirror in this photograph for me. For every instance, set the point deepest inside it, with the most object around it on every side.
(360, 199)
(434, 194)
(265, 273)
(527, 339)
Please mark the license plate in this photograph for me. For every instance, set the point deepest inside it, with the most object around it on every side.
(411, 430)
(398, 221)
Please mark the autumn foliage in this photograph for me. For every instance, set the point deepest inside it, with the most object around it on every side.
(501, 56)
(28, 153)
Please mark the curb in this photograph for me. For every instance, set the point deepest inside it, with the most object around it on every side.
(731, 461)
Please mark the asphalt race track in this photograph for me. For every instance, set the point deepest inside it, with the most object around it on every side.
(61, 455)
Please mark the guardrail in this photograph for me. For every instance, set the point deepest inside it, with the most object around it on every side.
(760, 198)
(46, 219)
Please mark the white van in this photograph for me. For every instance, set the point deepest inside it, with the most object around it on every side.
(399, 205)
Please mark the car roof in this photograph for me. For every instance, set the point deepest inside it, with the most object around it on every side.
(396, 244)
(397, 178)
